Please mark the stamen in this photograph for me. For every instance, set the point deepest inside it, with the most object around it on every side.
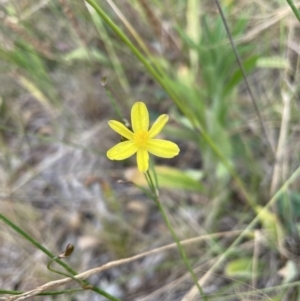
(141, 138)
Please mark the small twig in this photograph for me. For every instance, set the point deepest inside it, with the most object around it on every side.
(239, 61)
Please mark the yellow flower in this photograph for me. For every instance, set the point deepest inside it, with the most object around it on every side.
(141, 140)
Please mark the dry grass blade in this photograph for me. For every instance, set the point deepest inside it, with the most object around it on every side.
(128, 26)
(33, 9)
(249, 89)
(28, 176)
(67, 67)
(82, 276)
(35, 91)
(14, 25)
(257, 30)
(73, 20)
(280, 168)
(167, 40)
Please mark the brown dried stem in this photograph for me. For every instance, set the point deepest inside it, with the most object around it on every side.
(82, 276)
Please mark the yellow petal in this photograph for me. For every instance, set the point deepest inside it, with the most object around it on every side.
(142, 160)
(158, 125)
(122, 150)
(139, 117)
(162, 148)
(121, 129)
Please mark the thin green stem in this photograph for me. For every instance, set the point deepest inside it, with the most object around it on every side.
(152, 168)
(175, 237)
(163, 81)
(111, 53)
(52, 256)
(251, 225)
(45, 293)
(294, 9)
(151, 183)
(35, 243)
(157, 74)
(230, 169)
(239, 61)
(113, 102)
(84, 285)
(180, 248)
(146, 191)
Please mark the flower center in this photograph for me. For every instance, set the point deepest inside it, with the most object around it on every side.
(141, 138)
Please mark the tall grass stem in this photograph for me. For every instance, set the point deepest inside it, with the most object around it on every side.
(174, 235)
(294, 9)
(239, 61)
(162, 80)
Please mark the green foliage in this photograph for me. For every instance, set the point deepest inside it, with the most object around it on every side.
(214, 99)
(176, 179)
(211, 112)
(288, 206)
(243, 268)
(27, 61)
(83, 54)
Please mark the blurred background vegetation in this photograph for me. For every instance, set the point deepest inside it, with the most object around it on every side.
(66, 67)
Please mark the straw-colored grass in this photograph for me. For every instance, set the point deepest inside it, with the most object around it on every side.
(227, 73)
